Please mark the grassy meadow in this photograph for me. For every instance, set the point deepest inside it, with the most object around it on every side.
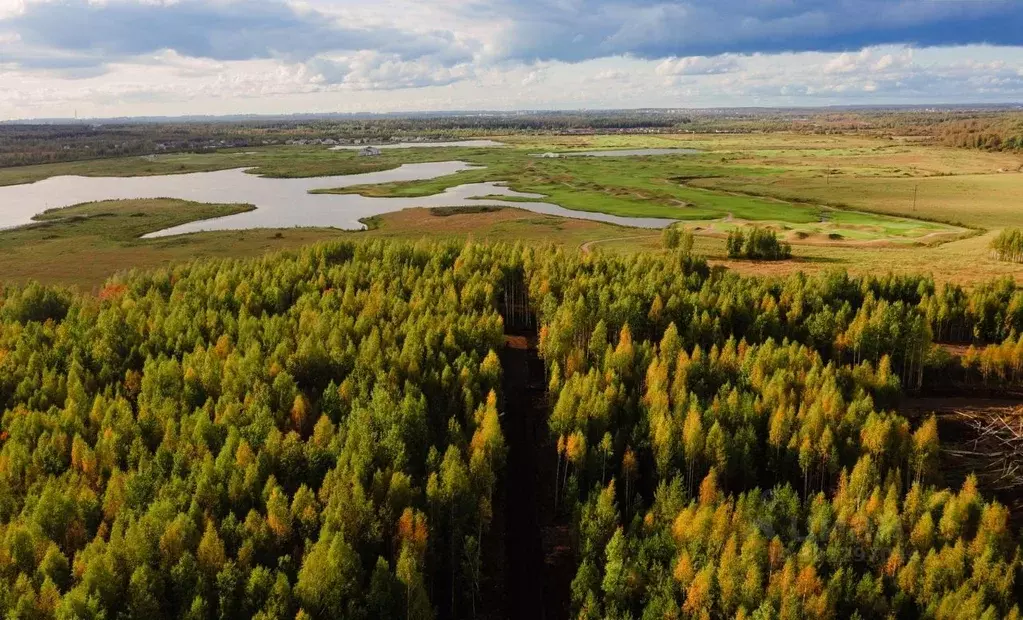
(84, 245)
(861, 203)
(965, 261)
(665, 186)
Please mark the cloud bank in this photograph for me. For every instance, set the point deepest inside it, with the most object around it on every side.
(575, 30)
(132, 56)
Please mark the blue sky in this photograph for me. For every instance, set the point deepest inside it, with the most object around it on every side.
(148, 57)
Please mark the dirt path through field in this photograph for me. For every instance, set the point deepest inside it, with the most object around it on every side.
(587, 247)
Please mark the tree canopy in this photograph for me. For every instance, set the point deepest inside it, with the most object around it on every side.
(319, 435)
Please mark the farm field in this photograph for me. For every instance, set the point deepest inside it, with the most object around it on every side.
(841, 201)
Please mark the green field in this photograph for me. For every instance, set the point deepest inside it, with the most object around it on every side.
(861, 203)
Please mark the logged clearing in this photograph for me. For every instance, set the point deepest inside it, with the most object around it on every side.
(982, 437)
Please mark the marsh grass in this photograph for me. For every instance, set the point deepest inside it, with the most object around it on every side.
(862, 203)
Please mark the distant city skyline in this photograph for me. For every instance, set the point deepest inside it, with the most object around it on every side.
(125, 58)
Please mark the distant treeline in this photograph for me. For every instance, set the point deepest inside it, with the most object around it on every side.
(994, 130)
(998, 133)
(40, 144)
(47, 143)
(22, 144)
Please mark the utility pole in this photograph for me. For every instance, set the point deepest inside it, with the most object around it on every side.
(916, 190)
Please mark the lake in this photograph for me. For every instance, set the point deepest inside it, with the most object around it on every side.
(412, 145)
(280, 203)
(621, 153)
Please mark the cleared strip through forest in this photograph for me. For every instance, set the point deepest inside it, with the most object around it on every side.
(538, 574)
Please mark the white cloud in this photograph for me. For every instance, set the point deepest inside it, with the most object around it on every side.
(614, 75)
(533, 77)
(11, 7)
(374, 71)
(884, 62)
(698, 65)
(886, 75)
(471, 71)
(869, 59)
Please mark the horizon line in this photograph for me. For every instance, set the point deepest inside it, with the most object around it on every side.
(412, 114)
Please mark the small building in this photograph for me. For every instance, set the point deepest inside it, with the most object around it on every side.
(369, 151)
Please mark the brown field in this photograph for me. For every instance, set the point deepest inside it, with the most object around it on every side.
(965, 262)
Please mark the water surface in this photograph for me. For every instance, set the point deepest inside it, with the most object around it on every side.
(412, 145)
(623, 153)
(280, 203)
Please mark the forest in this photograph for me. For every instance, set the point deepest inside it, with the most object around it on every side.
(325, 433)
(991, 133)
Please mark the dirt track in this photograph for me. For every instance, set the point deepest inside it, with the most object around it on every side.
(587, 247)
(539, 565)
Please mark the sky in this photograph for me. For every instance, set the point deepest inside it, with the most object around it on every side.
(106, 58)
